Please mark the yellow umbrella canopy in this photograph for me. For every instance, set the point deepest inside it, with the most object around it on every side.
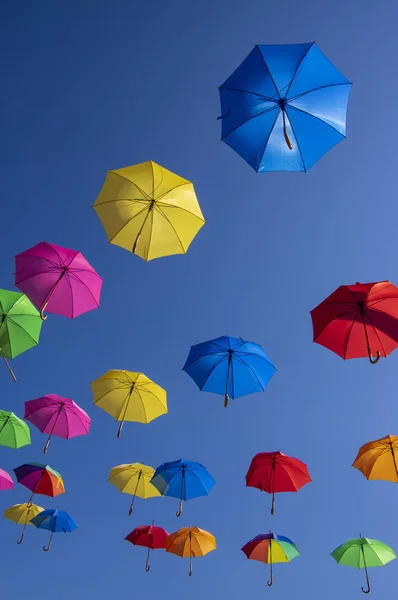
(134, 479)
(149, 210)
(379, 459)
(22, 514)
(190, 542)
(129, 396)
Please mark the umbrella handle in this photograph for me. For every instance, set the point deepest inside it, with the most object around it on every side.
(271, 579)
(224, 115)
(179, 511)
(192, 555)
(147, 567)
(273, 504)
(226, 400)
(120, 429)
(366, 591)
(131, 506)
(11, 372)
(47, 445)
(43, 308)
(21, 538)
(373, 361)
(49, 543)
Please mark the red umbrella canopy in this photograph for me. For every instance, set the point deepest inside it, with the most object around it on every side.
(274, 472)
(358, 321)
(149, 536)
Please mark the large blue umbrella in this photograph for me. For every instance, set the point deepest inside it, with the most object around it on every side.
(229, 366)
(182, 479)
(56, 521)
(284, 107)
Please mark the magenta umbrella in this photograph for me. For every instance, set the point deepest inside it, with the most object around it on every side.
(57, 279)
(6, 483)
(59, 416)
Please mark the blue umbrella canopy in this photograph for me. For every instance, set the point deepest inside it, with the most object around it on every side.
(182, 479)
(284, 107)
(229, 366)
(56, 521)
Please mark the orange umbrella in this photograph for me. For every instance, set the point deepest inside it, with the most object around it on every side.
(378, 459)
(190, 542)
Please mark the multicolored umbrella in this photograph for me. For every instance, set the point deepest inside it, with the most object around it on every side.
(274, 472)
(6, 482)
(182, 479)
(58, 416)
(378, 459)
(362, 553)
(284, 107)
(148, 536)
(56, 521)
(128, 396)
(20, 326)
(357, 321)
(229, 366)
(40, 479)
(14, 433)
(270, 548)
(190, 542)
(58, 280)
(149, 210)
(21, 514)
(134, 479)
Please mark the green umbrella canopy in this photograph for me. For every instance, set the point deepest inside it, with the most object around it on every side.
(20, 324)
(363, 552)
(14, 433)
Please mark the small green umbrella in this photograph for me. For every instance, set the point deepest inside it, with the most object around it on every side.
(362, 553)
(20, 325)
(14, 433)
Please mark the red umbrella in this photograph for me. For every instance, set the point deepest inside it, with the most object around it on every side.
(274, 472)
(358, 320)
(150, 537)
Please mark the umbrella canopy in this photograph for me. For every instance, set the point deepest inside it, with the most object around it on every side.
(379, 459)
(40, 479)
(6, 482)
(357, 321)
(21, 514)
(229, 366)
(134, 479)
(284, 107)
(58, 280)
(274, 472)
(56, 521)
(270, 548)
(182, 479)
(190, 542)
(58, 416)
(128, 396)
(14, 433)
(148, 536)
(20, 325)
(149, 210)
(362, 553)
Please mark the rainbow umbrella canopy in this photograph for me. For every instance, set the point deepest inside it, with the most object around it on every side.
(40, 479)
(270, 548)
(57, 416)
(20, 326)
(58, 280)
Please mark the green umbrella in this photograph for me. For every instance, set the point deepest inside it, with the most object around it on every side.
(20, 325)
(14, 433)
(362, 553)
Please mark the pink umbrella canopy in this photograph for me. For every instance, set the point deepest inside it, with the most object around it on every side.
(57, 279)
(6, 483)
(58, 416)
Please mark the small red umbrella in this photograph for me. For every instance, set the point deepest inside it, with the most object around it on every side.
(149, 536)
(358, 320)
(274, 472)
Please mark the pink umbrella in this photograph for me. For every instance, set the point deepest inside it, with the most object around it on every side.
(6, 483)
(57, 279)
(59, 416)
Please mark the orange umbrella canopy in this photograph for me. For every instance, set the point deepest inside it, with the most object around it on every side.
(379, 459)
(190, 542)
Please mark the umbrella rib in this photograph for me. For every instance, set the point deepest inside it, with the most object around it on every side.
(250, 369)
(24, 330)
(376, 332)
(354, 320)
(188, 364)
(132, 183)
(211, 371)
(290, 106)
(172, 226)
(321, 87)
(298, 143)
(298, 68)
(165, 205)
(345, 312)
(269, 72)
(268, 138)
(269, 98)
(128, 223)
(263, 112)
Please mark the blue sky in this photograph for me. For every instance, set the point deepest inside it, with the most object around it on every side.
(91, 86)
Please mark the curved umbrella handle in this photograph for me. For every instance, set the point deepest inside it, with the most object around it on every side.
(147, 567)
(373, 361)
(21, 538)
(43, 308)
(179, 511)
(367, 581)
(49, 543)
(366, 591)
(271, 579)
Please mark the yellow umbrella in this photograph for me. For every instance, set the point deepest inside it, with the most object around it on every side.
(22, 514)
(134, 479)
(129, 396)
(149, 210)
(378, 459)
(190, 542)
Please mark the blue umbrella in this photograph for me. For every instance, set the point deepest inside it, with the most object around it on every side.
(284, 107)
(182, 479)
(54, 520)
(229, 366)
